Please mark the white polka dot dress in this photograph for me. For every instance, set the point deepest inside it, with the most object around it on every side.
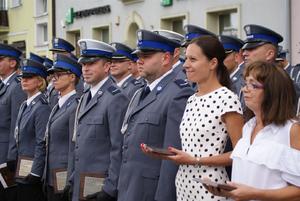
(204, 134)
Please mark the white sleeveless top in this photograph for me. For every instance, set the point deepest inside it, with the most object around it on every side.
(269, 162)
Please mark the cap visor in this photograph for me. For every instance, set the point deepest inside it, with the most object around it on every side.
(27, 75)
(52, 70)
(57, 50)
(84, 60)
(252, 45)
(119, 57)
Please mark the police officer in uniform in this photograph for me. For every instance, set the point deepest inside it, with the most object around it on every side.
(122, 62)
(153, 117)
(234, 61)
(97, 135)
(11, 97)
(30, 131)
(177, 63)
(261, 44)
(61, 46)
(65, 75)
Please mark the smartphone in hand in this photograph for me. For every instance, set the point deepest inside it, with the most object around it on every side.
(160, 150)
(207, 182)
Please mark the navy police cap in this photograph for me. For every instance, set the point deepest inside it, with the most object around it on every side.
(48, 63)
(36, 58)
(32, 68)
(231, 43)
(150, 41)
(122, 51)
(192, 31)
(65, 63)
(91, 50)
(61, 45)
(259, 35)
(10, 51)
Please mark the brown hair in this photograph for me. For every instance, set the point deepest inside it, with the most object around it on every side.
(279, 101)
(213, 48)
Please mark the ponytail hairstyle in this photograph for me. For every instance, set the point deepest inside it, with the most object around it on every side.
(213, 48)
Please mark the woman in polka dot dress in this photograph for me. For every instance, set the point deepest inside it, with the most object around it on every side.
(211, 115)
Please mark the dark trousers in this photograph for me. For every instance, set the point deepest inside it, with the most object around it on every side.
(51, 196)
(32, 192)
(8, 194)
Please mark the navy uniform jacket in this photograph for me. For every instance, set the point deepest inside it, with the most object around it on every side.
(30, 133)
(98, 144)
(179, 71)
(53, 95)
(237, 82)
(59, 133)
(11, 97)
(154, 121)
(294, 72)
(130, 86)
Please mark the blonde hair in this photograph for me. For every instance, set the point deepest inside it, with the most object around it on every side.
(43, 86)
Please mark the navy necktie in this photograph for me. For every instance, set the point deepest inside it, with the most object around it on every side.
(88, 98)
(145, 93)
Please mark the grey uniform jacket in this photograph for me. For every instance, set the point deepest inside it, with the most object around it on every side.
(58, 137)
(130, 86)
(99, 140)
(179, 71)
(154, 121)
(30, 133)
(53, 95)
(11, 97)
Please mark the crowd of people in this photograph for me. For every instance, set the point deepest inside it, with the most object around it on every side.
(143, 124)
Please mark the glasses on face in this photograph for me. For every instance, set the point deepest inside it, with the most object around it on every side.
(252, 86)
(58, 75)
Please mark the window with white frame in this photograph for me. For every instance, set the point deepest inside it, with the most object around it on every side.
(224, 21)
(101, 33)
(3, 4)
(15, 3)
(42, 34)
(41, 7)
(174, 23)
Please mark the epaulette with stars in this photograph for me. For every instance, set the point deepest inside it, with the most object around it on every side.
(113, 90)
(181, 83)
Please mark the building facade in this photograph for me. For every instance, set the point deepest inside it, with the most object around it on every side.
(118, 20)
(29, 25)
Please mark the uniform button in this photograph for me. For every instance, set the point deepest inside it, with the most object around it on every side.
(76, 147)
(125, 147)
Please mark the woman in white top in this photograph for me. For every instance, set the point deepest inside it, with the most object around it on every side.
(211, 116)
(266, 160)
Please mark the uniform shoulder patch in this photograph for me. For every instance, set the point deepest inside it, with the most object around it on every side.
(113, 90)
(182, 83)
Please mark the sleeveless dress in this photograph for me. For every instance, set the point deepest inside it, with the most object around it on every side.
(204, 134)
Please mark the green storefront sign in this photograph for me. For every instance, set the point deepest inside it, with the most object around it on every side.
(166, 2)
(70, 16)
